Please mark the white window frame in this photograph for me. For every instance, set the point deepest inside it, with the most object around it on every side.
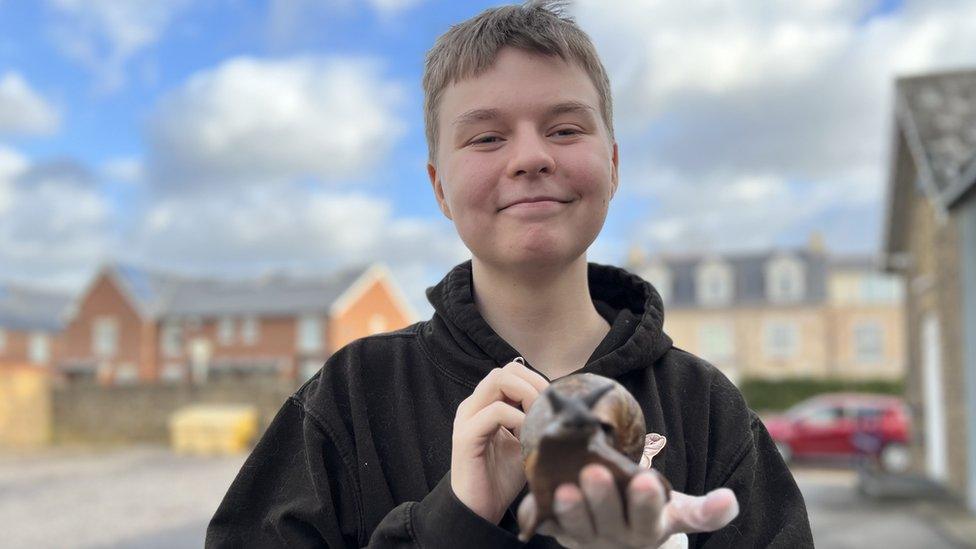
(173, 372)
(874, 329)
(172, 339)
(39, 348)
(105, 337)
(376, 324)
(785, 268)
(716, 341)
(309, 334)
(225, 331)
(714, 283)
(250, 330)
(126, 373)
(772, 347)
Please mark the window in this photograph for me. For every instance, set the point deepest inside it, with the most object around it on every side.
(173, 372)
(172, 337)
(716, 341)
(105, 337)
(785, 280)
(3, 340)
(868, 342)
(781, 339)
(39, 348)
(126, 374)
(250, 330)
(714, 284)
(377, 323)
(225, 331)
(309, 334)
(878, 288)
(310, 367)
(659, 276)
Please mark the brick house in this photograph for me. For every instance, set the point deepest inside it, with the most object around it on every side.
(930, 239)
(30, 320)
(134, 325)
(782, 313)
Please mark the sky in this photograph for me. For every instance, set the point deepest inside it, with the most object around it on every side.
(240, 138)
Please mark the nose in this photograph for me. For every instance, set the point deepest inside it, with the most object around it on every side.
(531, 157)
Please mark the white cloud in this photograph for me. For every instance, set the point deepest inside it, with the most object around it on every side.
(738, 111)
(124, 170)
(54, 222)
(104, 35)
(251, 119)
(23, 110)
(289, 227)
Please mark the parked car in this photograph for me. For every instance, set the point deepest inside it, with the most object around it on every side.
(845, 426)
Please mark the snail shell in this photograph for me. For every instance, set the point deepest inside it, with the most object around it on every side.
(578, 420)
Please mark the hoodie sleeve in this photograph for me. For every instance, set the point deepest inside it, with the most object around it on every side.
(772, 512)
(295, 490)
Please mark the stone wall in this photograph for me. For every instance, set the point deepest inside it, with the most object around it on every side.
(89, 413)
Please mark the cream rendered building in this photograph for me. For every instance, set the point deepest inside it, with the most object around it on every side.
(783, 313)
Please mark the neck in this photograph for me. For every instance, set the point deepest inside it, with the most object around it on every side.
(547, 314)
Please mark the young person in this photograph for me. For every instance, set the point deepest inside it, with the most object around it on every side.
(406, 438)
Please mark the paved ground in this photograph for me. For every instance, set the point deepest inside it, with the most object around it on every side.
(842, 519)
(149, 498)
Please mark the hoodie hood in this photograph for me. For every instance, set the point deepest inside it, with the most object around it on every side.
(466, 348)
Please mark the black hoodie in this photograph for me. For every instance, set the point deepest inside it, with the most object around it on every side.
(360, 455)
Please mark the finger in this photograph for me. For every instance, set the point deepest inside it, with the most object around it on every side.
(707, 513)
(489, 419)
(527, 513)
(646, 503)
(534, 378)
(571, 512)
(497, 386)
(551, 528)
(603, 500)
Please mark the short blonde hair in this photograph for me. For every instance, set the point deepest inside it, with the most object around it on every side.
(470, 47)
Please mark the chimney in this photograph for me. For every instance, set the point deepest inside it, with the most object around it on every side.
(816, 243)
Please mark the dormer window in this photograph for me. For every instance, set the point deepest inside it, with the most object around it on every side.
(714, 283)
(658, 274)
(785, 279)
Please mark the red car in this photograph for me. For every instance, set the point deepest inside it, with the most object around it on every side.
(845, 425)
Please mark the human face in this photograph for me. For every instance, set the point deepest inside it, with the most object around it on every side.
(525, 166)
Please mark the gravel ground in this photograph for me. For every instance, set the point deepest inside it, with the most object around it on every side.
(132, 497)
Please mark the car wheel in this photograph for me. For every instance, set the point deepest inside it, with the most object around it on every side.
(785, 451)
(895, 458)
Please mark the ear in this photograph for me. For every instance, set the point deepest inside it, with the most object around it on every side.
(615, 177)
(438, 186)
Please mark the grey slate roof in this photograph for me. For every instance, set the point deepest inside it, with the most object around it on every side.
(30, 309)
(164, 295)
(749, 277)
(937, 112)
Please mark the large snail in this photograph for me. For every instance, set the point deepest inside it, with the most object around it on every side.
(578, 420)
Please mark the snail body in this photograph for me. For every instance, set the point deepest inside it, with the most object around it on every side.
(578, 420)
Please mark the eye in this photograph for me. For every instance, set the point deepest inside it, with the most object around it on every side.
(566, 132)
(486, 140)
(607, 427)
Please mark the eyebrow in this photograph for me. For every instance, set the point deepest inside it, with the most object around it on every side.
(481, 115)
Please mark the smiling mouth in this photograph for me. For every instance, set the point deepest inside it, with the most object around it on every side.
(539, 202)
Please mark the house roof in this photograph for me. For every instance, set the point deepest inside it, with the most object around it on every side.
(748, 275)
(23, 308)
(938, 114)
(933, 150)
(164, 295)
